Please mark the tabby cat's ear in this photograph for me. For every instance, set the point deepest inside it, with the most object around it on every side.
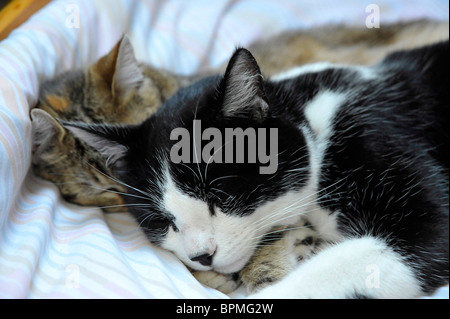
(127, 74)
(120, 69)
(47, 132)
(243, 88)
(108, 140)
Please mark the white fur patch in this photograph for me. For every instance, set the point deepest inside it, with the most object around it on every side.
(300, 70)
(323, 220)
(194, 222)
(321, 110)
(366, 73)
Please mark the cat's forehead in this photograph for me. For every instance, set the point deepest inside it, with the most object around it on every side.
(64, 83)
(58, 96)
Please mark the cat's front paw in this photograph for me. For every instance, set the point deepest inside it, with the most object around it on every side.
(303, 242)
(224, 283)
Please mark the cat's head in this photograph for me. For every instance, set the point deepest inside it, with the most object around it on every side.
(115, 89)
(77, 169)
(210, 210)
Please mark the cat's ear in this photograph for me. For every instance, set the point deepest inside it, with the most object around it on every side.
(108, 140)
(47, 132)
(128, 74)
(120, 69)
(243, 88)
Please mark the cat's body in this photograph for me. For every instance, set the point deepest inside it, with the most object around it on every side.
(362, 154)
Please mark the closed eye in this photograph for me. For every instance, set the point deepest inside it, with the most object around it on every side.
(158, 222)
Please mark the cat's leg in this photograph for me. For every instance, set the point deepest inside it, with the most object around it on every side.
(273, 261)
(270, 263)
(361, 267)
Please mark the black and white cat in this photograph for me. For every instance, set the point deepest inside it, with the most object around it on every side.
(362, 152)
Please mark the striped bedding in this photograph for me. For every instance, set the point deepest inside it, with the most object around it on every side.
(52, 249)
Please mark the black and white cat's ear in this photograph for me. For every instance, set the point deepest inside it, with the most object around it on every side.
(243, 88)
(46, 132)
(108, 140)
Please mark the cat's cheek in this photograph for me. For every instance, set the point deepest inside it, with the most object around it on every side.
(233, 267)
(172, 242)
(234, 252)
(236, 241)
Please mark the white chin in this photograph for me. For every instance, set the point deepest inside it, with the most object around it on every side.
(230, 268)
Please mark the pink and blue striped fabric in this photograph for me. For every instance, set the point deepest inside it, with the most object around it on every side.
(52, 249)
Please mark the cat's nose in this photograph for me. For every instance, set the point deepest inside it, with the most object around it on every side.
(204, 259)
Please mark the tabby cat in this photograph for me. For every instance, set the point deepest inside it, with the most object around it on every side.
(60, 157)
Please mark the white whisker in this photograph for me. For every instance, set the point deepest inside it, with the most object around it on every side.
(222, 177)
(122, 183)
